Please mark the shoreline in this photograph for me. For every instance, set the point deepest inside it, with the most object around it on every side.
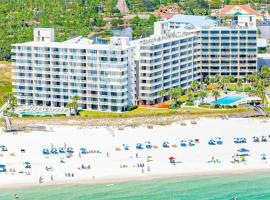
(109, 181)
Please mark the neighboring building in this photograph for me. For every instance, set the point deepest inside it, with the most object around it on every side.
(262, 45)
(191, 20)
(114, 76)
(263, 60)
(50, 73)
(233, 10)
(246, 21)
(167, 12)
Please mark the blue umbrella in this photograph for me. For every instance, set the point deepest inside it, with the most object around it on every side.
(3, 166)
(243, 150)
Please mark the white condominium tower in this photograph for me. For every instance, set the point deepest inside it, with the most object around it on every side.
(166, 59)
(50, 73)
(187, 48)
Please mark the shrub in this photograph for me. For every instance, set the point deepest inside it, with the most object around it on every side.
(217, 106)
(190, 103)
(130, 108)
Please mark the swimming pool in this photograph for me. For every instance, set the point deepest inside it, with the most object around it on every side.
(228, 100)
(38, 113)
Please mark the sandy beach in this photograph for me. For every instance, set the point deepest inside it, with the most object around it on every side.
(101, 155)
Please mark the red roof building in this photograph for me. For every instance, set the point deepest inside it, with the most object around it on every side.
(167, 12)
(230, 10)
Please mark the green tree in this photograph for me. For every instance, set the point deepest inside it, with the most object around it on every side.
(216, 94)
(162, 93)
(203, 94)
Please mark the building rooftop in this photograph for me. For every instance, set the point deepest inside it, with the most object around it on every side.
(196, 21)
(228, 10)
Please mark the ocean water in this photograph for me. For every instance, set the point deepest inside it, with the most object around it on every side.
(244, 187)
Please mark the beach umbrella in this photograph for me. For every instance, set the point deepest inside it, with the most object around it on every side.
(242, 150)
(27, 163)
(2, 146)
(171, 158)
(2, 166)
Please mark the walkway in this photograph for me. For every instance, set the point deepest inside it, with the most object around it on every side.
(4, 107)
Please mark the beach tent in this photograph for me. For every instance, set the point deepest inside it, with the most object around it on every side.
(70, 150)
(83, 150)
(62, 150)
(46, 151)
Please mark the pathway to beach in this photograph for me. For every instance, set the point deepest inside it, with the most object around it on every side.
(72, 154)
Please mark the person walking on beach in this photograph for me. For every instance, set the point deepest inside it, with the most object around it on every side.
(40, 179)
(51, 177)
(108, 155)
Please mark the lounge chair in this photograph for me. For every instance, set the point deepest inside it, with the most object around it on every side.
(174, 145)
(117, 149)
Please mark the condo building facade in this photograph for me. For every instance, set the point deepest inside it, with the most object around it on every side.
(111, 77)
(50, 73)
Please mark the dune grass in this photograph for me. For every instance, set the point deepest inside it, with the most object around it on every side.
(5, 80)
(144, 112)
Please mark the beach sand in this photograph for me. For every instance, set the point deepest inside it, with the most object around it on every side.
(105, 167)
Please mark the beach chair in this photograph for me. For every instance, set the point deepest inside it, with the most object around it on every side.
(174, 145)
(12, 154)
(155, 147)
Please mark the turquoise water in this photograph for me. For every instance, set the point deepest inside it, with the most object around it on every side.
(245, 187)
(227, 100)
(38, 113)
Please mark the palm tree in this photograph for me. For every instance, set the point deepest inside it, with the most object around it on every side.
(175, 93)
(190, 96)
(162, 93)
(73, 104)
(216, 94)
(9, 97)
(203, 95)
(240, 83)
(194, 86)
